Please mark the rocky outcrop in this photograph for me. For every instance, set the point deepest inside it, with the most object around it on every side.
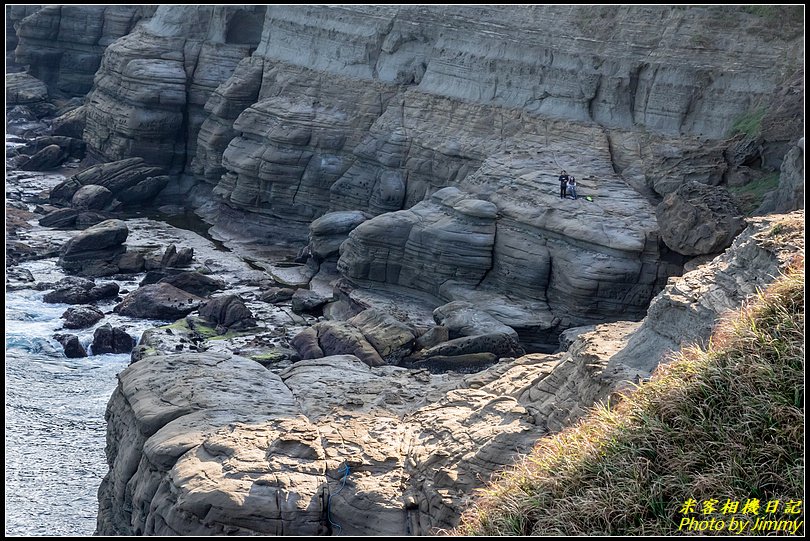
(522, 255)
(63, 45)
(323, 117)
(697, 219)
(416, 445)
(790, 193)
(210, 443)
(159, 77)
(23, 89)
(687, 309)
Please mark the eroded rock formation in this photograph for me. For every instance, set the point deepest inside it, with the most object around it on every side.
(206, 443)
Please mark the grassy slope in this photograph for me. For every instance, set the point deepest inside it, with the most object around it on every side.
(722, 423)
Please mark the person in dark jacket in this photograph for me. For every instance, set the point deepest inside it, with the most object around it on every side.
(563, 183)
(572, 186)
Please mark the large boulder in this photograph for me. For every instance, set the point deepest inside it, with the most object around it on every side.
(48, 158)
(307, 301)
(73, 348)
(697, 219)
(109, 339)
(93, 251)
(131, 262)
(392, 338)
(158, 301)
(91, 197)
(131, 181)
(81, 317)
(229, 312)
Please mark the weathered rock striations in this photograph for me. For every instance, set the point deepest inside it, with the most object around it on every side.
(150, 90)
(230, 447)
(326, 70)
(63, 45)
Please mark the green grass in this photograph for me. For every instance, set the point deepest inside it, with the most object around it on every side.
(776, 14)
(750, 196)
(722, 423)
(749, 123)
(271, 356)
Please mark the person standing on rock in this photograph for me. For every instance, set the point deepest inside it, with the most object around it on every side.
(572, 186)
(563, 183)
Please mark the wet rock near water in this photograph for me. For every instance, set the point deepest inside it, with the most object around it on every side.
(81, 317)
(158, 301)
(94, 251)
(109, 339)
(76, 290)
(174, 258)
(228, 312)
(59, 219)
(73, 348)
(18, 278)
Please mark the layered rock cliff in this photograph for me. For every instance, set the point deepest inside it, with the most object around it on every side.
(63, 45)
(419, 148)
(287, 114)
(213, 444)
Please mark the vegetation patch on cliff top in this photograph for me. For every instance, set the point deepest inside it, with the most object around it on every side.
(750, 196)
(712, 427)
(749, 123)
